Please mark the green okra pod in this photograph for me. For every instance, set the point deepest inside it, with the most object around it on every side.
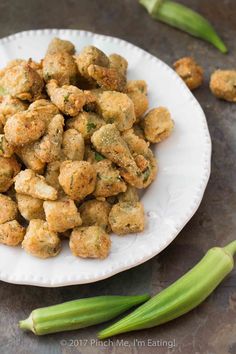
(79, 313)
(185, 19)
(182, 296)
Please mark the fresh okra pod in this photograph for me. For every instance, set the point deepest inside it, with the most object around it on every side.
(182, 296)
(185, 19)
(79, 313)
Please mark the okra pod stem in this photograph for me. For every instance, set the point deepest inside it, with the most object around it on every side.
(182, 296)
(185, 19)
(79, 313)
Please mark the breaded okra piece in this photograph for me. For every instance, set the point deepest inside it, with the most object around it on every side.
(119, 63)
(28, 156)
(6, 150)
(60, 45)
(10, 106)
(109, 180)
(45, 109)
(95, 212)
(157, 124)
(117, 108)
(21, 81)
(11, 233)
(189, 71)
(8, 210)
(127, 217)
(77, 178)
(29, 183)
(29, 207)
(69, 99)
(72, 145)
(90, 242)
(107, 78)
(137, 92)
(86, 123)
(48, 149)
(223, 84)
(9, 168)
(24, 128)
(39, 241)
(62, 215)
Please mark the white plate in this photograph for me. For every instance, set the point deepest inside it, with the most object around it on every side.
(184, 168)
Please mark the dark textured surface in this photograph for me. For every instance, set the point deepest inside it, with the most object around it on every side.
(211, 328)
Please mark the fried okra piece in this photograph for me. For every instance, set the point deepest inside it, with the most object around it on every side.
(130, 195)
(72, 145)
(107, 78)
(9, 168)
(24, 128)
(189, 71)
(86, 123)
(143, 156)
(117, 108)
(88, 56)
(61, 67)
(10, 106)
(11, 233)
(29, 207)
(108, 142)
(77, 178)
(39, 241)
(21, 81)
(62, 215)
(60, 45)
(49, 147)
(29, 183)
(69, 99)
(109, 181)
(223, 84)
(127, 217)
(119, 63)
(6, 150)
(95, 212)
(137, 86)
(8, 210)
(90, 242)
(52, 174)
(28, 156)
(157, 124)
(137, 92)
(46, 110)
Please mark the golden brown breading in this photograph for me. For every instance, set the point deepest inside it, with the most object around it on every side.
(223, 84)
(49, 147)
(95, 212)
(9, 106)
(90, 242)
(62, 215)
(127, 217)
(86, 123)
(21, 81)
(90, 55)
(77, 178)
(52, 174)
(29, 207)
(11, 233)
(118, 108)
(29, 183)
(109, 181)
(61, 67)
(119, 63)
(6, 150)
(72, 145)
(69, 99)
(39, 241)
(8, 209)
(189, 71)
(107, 78)
(157, 124)
(137, 86)
(60, 45)
(130, 195)
(45, 109)
(23, 128)
(29, 158)
(108, 141)
(9, 168)
(140, 102)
